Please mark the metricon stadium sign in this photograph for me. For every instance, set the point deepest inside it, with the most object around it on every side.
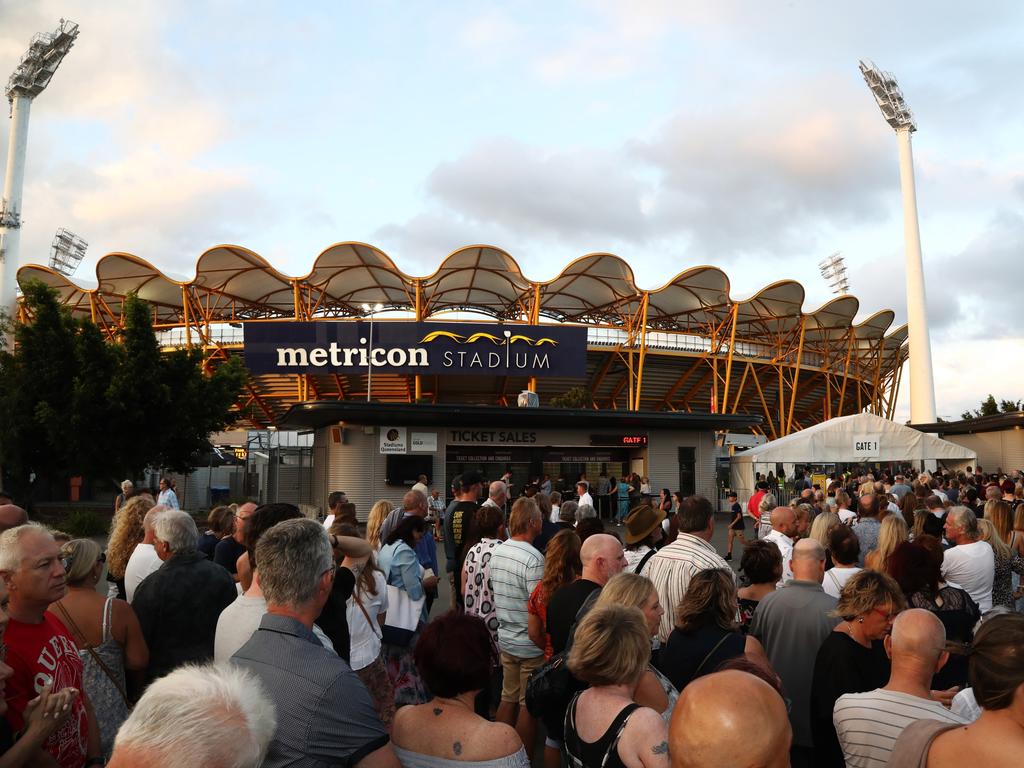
(411, 347)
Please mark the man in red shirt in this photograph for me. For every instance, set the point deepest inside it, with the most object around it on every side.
(755, 502)
(39, 648)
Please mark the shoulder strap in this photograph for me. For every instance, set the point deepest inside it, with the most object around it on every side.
(92, 652)
(643, 561)
(711, 653)
(355, 597)
(108, 611)
(835, 581)
(613, 745)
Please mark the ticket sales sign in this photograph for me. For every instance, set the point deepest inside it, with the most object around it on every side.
(411, 347)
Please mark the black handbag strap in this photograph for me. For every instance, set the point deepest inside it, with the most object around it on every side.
(643, 561)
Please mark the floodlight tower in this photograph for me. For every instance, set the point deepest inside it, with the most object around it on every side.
(833, 269)
(30, 78)
(899, 117)
(66, 252)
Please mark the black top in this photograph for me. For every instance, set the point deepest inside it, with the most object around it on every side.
(456, 532)
(842, 666)
(687, 655)
(547, 532)
(958, 614)
(562, 609)
(603, 753)
(333, 619)
(207, 544)
(227, 552)
(178, 606)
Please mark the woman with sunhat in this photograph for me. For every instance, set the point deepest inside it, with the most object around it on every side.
(643, 532)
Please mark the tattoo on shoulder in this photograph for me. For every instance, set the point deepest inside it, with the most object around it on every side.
(457, 747)
(438, 711)
(660, 749)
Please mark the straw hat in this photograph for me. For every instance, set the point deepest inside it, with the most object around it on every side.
(641, 522)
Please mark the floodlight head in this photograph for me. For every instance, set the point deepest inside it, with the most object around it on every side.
(378, 307)
(67, 252)
(45, 53)
(888, 96)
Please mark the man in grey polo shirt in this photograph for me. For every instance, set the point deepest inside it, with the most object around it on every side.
(325, 715)
(792, 623)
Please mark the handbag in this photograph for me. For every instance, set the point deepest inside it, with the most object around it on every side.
(402, 618)
(551, 686)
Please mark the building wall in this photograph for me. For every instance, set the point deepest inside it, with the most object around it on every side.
(356, 466)
(1003, 448)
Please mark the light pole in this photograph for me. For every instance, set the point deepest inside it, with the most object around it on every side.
(29, 79)
(899, 117)
(369, 353)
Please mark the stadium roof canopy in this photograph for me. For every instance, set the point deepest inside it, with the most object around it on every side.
(687, 345)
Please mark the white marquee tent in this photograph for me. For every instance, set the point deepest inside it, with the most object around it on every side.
(857, 439)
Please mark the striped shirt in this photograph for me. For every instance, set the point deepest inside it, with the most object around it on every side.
(868, 724)
(516, 568)
(671, 570)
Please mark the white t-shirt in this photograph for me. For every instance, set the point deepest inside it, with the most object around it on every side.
(972, 567)
(239, 620)
(554, 512)
(785, 545)
(143, 562)
(421, 488)
(836, 578)
(586, 498)
(364, 639)
(868, 724)
(846, 516)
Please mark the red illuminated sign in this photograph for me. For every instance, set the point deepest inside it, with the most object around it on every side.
(630, 440)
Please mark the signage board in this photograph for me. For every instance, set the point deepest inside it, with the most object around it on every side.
(423, 442)
(866, 446)
(632, 439)
(410, 347)
(392, 440)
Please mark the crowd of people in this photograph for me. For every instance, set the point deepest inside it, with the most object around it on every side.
(870, 623)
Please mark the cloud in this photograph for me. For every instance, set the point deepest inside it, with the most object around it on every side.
(124, 145)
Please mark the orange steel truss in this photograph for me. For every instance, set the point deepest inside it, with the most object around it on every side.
(686, 346)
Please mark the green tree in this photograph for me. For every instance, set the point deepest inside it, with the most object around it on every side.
(71, 403)
(1010, 406)
(574, 397)
(989, 407)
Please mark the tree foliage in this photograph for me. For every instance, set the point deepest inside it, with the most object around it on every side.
(574, 397)
(71, 403)
(989, 407)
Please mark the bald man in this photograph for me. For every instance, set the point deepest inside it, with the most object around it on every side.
(868, 724)
(782, 535)
(11, 516)
(602, 558)
(715, 709)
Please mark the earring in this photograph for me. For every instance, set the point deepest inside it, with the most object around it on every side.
(860, 620)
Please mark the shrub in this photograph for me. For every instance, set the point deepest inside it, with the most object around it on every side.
(83, 523)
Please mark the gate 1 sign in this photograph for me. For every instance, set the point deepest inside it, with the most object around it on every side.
(411, 347)
(866, 446)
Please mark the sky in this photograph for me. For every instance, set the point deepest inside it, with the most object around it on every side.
(673, 134)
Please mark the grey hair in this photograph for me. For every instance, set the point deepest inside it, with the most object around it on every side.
(568, 508)
(584, 511)
(149, 519)
(10, 545)
(292, 556)
(178, 530)
(967, 520)
(767, 503)
(126, 484)
(181, 719)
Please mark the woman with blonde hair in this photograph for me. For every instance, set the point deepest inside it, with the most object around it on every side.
(846, 515)
(891, 533)
(378, 512)
(604, 725)
(126, 533)
(1006, 561)
(764, 509)
(108, 637)
(821, 527)
(634, 591)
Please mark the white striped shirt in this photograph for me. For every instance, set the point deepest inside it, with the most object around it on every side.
(516, 568)
(671, 570)
(868, 724)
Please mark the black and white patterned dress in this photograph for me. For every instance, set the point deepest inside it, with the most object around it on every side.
(478, 595)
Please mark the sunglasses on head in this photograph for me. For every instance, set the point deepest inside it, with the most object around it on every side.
(69, 560)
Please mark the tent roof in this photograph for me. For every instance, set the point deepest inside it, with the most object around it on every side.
(834, 441)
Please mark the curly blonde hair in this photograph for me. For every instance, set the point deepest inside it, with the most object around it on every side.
(126, 533)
